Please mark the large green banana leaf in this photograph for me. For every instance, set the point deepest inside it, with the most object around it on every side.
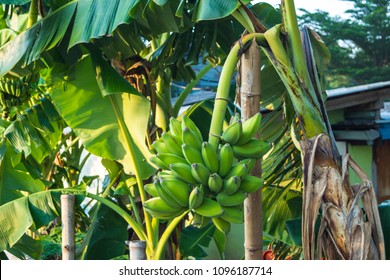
(101, 17)
(210, 10)
(110, 125)
(106, 237)
(20, 214)
(15, 179)
(14, 2)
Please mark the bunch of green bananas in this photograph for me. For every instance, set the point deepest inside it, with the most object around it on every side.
(212, 183)
(13, 92)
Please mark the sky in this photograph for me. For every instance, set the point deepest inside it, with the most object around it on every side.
(333, 7)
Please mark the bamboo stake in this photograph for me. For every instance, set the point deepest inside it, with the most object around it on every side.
(250, 105)
(137, 250)
(68, 224)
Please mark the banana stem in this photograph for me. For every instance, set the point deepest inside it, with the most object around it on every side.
(130, 144)
(164, 105)
(293, 71)
(184, 94)
(290, 25)
(222, 96)
(33, 13)
(244, 20)
(306, 107)
(167, 233)
(126, 216)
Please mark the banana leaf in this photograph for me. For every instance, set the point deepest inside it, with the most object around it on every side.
(106, 237)
(209, 10)
(14, 180)
(20, 214)
(279, 206)
(192, 239)
(109, 127)
(102, 18)
(14, 2)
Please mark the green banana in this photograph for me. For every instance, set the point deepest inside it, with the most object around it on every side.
(210, 157)
(160, 147)
(192, 154)
(200, 173)
(189, 137)
(254, 148)
(188, 123)
(235, 199)
(221, 224)
(175, 127)
(235, 118)
(209, 208)
(158, 162)
(231, 185)
(250, 162)
(172, 144)
(159, 209)
(168, 159)
(226, 158)
(176, 189)
(166, 174)
(250, 128)
(196, 197)
(151, 189)
(168, 199)
(238, 170)
(232, 133)
(250, 184)
(215, 183)
(182, 171)
(233, 214)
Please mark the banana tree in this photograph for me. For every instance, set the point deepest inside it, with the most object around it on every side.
(345, 232)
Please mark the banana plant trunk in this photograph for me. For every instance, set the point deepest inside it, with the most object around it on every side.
(250, 105)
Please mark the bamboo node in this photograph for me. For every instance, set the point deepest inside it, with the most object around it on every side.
(222, 98)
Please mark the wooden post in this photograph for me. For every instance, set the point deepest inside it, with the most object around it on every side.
(137, 250)
(250, 105)
(68, 226)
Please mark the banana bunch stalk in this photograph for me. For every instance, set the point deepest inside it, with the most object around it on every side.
(192, 175)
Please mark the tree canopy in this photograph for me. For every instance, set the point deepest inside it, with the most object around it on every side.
(359, 45)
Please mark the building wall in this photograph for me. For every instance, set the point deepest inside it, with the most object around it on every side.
(382, 158)
(363, 155)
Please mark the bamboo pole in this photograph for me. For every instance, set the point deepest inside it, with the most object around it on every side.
(68, 224)
(250, 105)
(137, 250)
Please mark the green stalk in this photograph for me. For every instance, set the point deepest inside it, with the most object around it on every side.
(244, 20)
(167, 233)
(135, 209)
(164, 103)
(187, 90)
(33, 13)
(221, 98)
(290, 24)
(130, 145)
(126, 216)
(305, 106)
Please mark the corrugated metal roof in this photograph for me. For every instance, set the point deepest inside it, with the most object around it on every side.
(333, 93)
